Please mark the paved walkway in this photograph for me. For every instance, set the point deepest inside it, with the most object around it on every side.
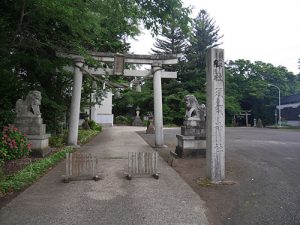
(113, 200)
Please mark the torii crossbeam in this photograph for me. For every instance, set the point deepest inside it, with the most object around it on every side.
(156, 62)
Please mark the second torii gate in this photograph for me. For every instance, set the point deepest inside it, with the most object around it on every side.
(156, 62)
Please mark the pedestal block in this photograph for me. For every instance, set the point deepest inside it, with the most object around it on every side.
(39, 145)
(190, 145)
(31, 125)
(193, 131)
(35, 130)
(192, 140)
(137, 122)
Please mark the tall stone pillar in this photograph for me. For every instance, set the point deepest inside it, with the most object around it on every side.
(215, 117)
(158, 113)
(75, 103)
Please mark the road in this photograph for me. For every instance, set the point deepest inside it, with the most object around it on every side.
(264, 164)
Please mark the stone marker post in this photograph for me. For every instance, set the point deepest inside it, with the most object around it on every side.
(75, 103)
(215, 125)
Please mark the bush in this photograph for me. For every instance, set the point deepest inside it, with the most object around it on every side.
(86, 135)
(57, 141)
(123, 120)
(94, 126)
(13, 144)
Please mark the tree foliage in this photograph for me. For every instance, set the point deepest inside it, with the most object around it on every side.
(192, 44)
(247, 88)
(33, 32)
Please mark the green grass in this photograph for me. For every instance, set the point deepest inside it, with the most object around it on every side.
(35, 170)
(31, 172)
(85, 135)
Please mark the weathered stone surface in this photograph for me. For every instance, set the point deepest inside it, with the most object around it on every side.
(150, 128)
(30, 106)
(189, 145)
(197, 131)
(138, 122)
(34, 129)
(192, 108)
(215, 85)
(29, 122)
(192, 140)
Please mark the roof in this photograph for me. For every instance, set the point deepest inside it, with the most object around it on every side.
(290, 99)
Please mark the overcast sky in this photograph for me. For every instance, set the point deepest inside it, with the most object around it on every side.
(265, 30)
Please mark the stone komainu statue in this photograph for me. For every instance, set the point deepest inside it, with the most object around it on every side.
(30, 106)
(193, 109)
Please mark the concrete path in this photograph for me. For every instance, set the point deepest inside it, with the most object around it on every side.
(113, 200)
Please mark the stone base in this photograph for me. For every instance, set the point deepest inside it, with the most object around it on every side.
(150, 129)
(138, 122)
(190, 145)
(190, 152)
(194, 122)
(40, 152)
(198, 131)
(39, 145)
(30, 125)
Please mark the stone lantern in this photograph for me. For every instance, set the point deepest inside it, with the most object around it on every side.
(137, 120)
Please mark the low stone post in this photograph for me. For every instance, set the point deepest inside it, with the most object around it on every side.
(215, 126)
(75, 103)
(158, 115)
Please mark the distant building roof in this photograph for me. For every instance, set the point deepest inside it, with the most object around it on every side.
(290, 99)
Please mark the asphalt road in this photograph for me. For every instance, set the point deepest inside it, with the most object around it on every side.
(265, 164)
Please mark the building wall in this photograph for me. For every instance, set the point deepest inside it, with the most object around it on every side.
(106, 105)
(103, 113)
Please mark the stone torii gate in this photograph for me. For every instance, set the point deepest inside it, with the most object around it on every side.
(119, 60)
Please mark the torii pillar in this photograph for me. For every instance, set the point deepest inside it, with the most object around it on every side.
(75, 103)
(158, 112)
(156, 61)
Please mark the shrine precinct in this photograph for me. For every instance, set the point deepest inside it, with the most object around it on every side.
(215, 93)
(119, 61)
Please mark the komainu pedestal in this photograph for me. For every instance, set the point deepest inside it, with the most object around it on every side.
(192, 140)
(29, 122)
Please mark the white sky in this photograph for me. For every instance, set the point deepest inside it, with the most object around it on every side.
(265, 30)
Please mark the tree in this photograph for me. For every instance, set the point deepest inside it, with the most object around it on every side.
(172, 41)
(33, 32)
(246, 88)
(204, 35)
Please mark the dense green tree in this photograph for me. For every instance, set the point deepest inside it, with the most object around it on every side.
(204, 35)
(247, 88)
(192, 44)
(33, 32)
(173, 41)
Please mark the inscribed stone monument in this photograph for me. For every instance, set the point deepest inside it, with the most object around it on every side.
(29, 121)
(215, 85)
